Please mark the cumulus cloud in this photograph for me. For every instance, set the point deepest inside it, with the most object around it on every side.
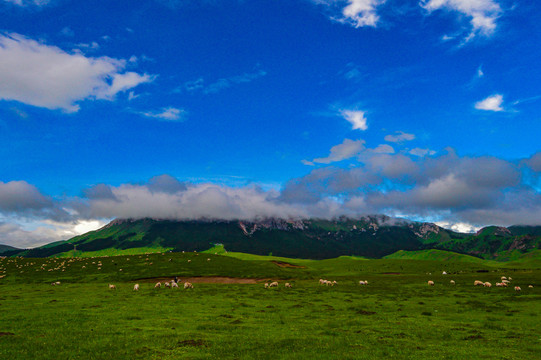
(399, 136)
(166, 114)
(356, 118)
(195, 201)
(29, 235)
(383, 149)
(346, 150)
(482, 13)
(491, 103)
(20, 196)
(534, 162)
(360, 13)
(47, 76)
(357, 13)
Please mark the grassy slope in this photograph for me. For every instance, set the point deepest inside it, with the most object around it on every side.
(433, 254)
(396, 316)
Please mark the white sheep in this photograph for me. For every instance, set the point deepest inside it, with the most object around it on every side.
(158, 285)
(478, 283)
(430, 283)
(287, 285)
(112, 287)
(266, 285)
(452, 282)
(188, 285)
(362, 282)
(136, 287)
(530, 286)
(487, 284)
(517, 288)
(167, 284)
(273, 284)
(174, 285)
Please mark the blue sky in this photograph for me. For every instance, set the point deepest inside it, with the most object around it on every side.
(428, 110)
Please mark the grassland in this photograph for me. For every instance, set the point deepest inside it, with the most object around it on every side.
(396, 316)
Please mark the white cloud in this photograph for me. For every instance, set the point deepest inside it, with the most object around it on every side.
(168, 114)
(399, 136)
(24, 235)
(345, 150)
(360, 13)
(383, 149)
(491, 103)
(356, 118)
(458, 226)
(46, 76)
(482, 13)
(421, 152)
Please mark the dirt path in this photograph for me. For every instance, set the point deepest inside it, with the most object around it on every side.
(287, 265)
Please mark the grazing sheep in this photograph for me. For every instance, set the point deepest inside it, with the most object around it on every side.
(57, 283)
(504, 278)
(530, 286)
(112, 287)
(334, 282)
(478, 283)
(444, 273)
(499, 284)
(174, 285)
(158, 285)
(287, 285)
(136, 287)
(517, 288)
(273, 284)
(208, 259)
(452, 282)
(487, 284)
(362, 282)
(189, 261)
(505, 282)
(509, 278)
(266, 285)
(188, 285)
(430, 283)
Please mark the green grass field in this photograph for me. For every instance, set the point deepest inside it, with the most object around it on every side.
(396, 316)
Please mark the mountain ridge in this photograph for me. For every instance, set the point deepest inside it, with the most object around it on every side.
(372, 236)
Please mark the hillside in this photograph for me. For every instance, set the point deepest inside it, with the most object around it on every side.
(370, 236)
(4, 248)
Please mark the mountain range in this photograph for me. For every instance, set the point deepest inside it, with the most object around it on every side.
(370, 236)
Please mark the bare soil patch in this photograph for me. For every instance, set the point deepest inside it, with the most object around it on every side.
(287, 265)
(2, 333)
(391, 273)
(191, 342)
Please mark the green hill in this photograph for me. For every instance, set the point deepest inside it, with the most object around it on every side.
(4, 248)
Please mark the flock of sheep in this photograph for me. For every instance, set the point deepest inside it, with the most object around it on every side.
(168, 284)
(504, 283)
